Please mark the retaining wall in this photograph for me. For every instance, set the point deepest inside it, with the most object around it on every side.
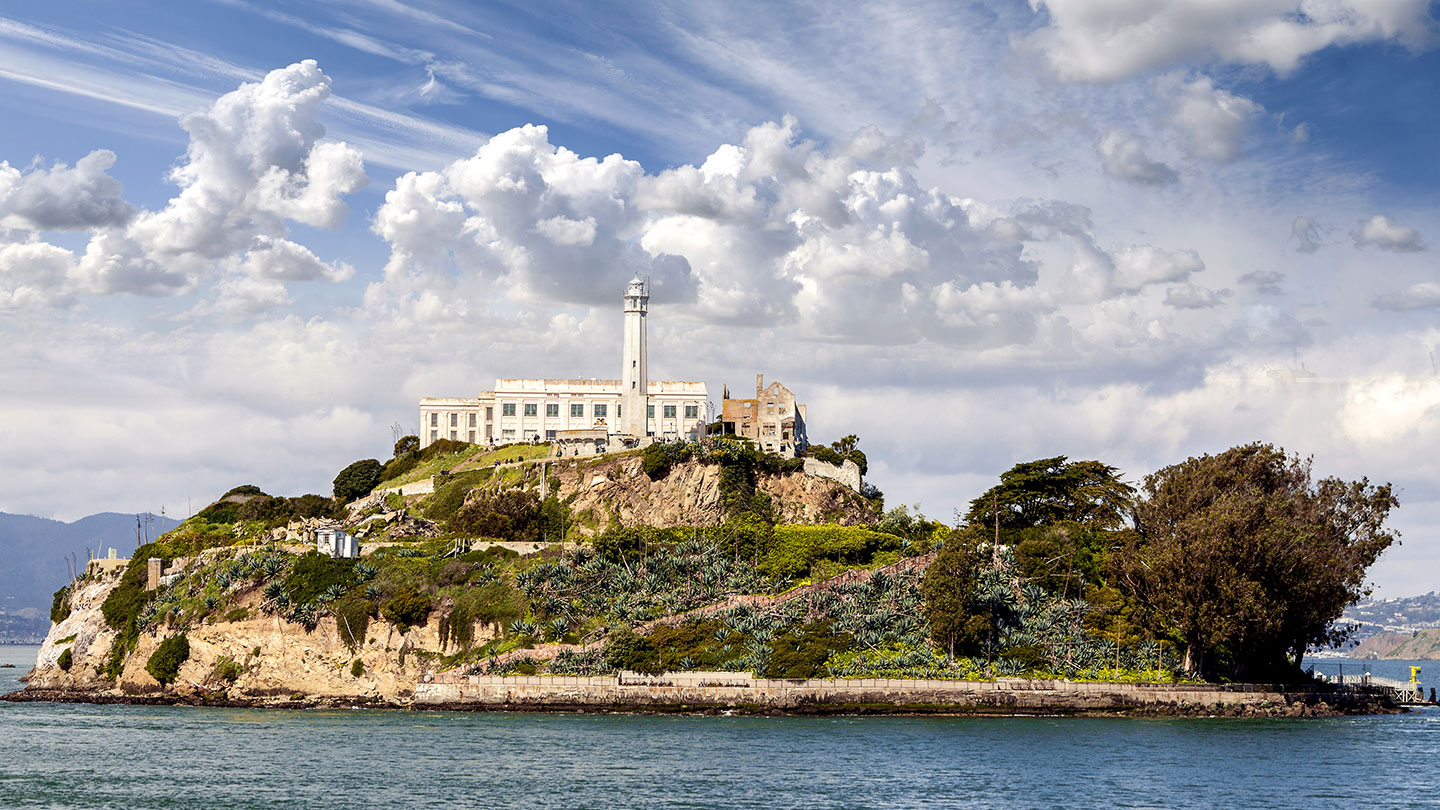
(700, 690)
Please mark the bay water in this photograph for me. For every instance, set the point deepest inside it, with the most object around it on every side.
(84, 756)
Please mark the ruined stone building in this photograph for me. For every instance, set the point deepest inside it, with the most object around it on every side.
(524, 409)
(773, 419)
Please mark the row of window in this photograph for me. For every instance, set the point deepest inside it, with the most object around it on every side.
(577, 411)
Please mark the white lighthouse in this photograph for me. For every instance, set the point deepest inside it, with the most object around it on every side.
(634, 380)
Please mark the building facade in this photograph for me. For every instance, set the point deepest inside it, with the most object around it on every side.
(774, 420)
(526, 410)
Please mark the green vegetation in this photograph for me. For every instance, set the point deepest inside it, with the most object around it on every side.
(839, 452)
(357, 668)
(357, 480)
(1247, 561)
(799, 549)
(227, 669)
(164, 663)
(406, 608)
(65, 660)
(313, 574)
(60, 605)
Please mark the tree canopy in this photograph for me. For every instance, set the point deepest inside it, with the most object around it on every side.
(358, 479)
(1246, 560)
(1052, 490)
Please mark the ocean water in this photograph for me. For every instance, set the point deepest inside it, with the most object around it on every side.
(81, 756)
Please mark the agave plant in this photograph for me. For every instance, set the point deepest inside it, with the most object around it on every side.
(273, 591)
(364, 572)
(330, 594)
(372, 592)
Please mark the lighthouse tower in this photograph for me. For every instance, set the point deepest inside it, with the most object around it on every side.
(634, 379)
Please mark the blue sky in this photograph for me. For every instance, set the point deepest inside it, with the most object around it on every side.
(974, 234)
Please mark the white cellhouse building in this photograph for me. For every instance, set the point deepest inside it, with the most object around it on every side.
(523, 409)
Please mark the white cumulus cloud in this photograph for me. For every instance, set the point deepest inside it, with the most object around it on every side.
(1123, 155)
(1109, 40)
(1384, 233)
(64, 198)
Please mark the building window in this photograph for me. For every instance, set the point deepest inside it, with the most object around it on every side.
(649, 411)
(531, 409)
(434, 434)
(472, 437)
(748, 404)
(549, 435)
(507, 409)
(472, 420)
(577, 410)
(434, 419)
(552, 409)
(454, 419)
(601, 411)
(507, 435)
(489, 413)
(669, 411)
(692, 411)
(454, 434)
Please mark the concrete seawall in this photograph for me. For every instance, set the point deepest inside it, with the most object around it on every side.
(698, 691)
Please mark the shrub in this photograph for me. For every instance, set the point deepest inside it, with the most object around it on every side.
(457, 627)
(450, 494)
(227, 669)
(406, 446)
(164, 663)
(656, 462)
(243, 489)
(357, 480)
(314, 573)
(803, 654)
(60, 605)
(65, 659)
(796, 548)
(357, 668)
(352, 618)
(513, 514)
(406, 608)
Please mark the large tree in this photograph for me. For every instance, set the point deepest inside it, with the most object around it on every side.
(1248, 561)
(1048, 491)
(1060, 517)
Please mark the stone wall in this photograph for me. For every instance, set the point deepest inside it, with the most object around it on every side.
(847, 473)
(730, 690)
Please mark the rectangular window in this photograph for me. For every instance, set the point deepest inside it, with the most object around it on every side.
(489, 413)
(649, 411)
(472, 419)
(507, 435)
(552, 409)
(531, 409)
(454, 420)
(434, 434)
(577, 410)
(669, 411)
(453, 435)
(692, 411)
(507, 409)
(472, 437)
(549, 435)
(600, 411)
(434, 419)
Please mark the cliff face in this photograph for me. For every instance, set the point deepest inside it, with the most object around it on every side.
(278, 660)
(618, 490)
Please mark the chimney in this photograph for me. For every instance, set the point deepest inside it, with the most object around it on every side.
(759, 385)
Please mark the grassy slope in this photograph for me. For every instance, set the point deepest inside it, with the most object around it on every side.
(472, 457)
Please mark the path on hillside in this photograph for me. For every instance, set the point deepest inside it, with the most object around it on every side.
(548, 651)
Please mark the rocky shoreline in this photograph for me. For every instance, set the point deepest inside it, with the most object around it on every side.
(1037, 702)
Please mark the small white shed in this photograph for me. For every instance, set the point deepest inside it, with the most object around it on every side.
(336, 542)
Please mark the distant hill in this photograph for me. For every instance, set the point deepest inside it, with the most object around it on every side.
(1417, 644)
(33, 550)
(1389, 622)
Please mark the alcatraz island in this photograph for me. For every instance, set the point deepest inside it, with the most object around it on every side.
(614, 545)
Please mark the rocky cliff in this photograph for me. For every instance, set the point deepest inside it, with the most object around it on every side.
(274, 661)
(617, 490)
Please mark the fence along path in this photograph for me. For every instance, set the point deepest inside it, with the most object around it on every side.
(545, 652)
